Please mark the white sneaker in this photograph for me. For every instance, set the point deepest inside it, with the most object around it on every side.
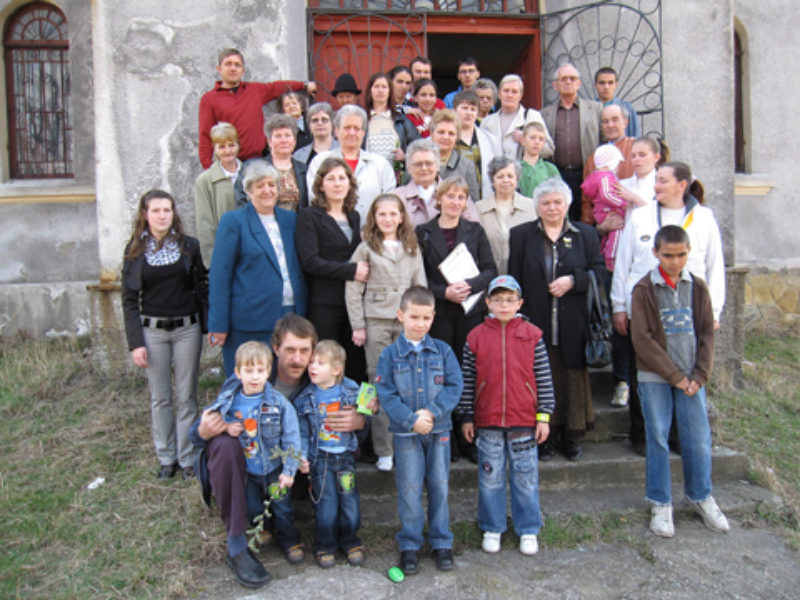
(712, 515)
(620, 397)
(491, 542)
(385, 463)
(528, 544)
(661, 520)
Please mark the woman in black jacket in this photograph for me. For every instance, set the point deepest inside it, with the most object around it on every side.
(551, 259)
(165, 302)
(328, 233)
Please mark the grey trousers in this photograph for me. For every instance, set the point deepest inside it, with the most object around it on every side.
(179, 351)
(380, 333)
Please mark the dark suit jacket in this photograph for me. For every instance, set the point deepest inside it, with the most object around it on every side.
(300, 170)
(325, 253)
(434, 251)
(589, 115)
(246, 287)
(578, 251)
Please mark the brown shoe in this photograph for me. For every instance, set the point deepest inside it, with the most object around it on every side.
(355, 556)
(295, 554)
(326, 560)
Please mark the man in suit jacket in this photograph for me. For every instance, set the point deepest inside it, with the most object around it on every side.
(574, 124)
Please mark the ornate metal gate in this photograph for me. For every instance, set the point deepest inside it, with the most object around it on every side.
(624, 36)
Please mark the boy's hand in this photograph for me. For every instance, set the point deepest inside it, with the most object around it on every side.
(468, 431)
(621, 322)
(683, 385)
(211, 424)
(374, 405)
(424, 422)
(692, 388)
(359, 336)
(345, 420)
(235, 429)
(305, 466)
(285, 481)
(542, 432)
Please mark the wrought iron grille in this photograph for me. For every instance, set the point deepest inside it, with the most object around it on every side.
(626, 37)
(479, 6)
(38, 87)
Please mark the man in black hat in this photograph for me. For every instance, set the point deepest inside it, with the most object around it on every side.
(346, 90)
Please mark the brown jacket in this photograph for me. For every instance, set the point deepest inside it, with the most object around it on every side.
(650, 342)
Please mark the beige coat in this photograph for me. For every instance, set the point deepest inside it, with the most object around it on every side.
(213, 197)
(523, 211)
(379, 298)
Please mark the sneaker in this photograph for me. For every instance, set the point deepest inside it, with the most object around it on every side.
(325, 560)
(712, 515)
(620, 397)
(528, 544)
(295, 554)
(491, 542)
(355, 556)
(385, 463)
(661, 520)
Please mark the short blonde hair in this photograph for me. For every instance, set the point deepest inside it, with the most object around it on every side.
(253, 352)
(335, 354)
(224, 132)
(445, 115)
(456, 181)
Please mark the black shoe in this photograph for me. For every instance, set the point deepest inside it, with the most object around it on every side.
(675, 446)
(640, 448)
(167, 471)
(571, 450)
(455, 452)
(444, 559)
(471, 452)
(247, 569)
(367, 456)
(187, 473)
(546, 451)
(409, 563)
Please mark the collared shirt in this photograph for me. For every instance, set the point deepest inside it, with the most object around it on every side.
(471, 151)
(567, 136)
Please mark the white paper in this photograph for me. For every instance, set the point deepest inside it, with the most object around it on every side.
(460, 266)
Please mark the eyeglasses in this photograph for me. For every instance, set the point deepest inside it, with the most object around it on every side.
(427, 164)
(569, 78)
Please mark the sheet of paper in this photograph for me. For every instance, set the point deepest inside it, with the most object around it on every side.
(460, 266)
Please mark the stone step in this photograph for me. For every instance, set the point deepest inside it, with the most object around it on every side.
(602, 465)
(734, 497)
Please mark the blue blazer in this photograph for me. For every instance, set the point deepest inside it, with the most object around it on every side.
(245, 283)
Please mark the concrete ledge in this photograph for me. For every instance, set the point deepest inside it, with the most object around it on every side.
(753, 184)
(45, 310)
(46, 191)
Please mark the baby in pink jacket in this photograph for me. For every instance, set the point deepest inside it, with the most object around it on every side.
(600, 186)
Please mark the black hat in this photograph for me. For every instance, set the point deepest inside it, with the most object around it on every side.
(345, 83)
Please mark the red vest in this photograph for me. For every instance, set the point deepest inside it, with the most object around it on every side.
(505, 385)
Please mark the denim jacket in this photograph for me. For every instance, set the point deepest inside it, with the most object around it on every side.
(408, 380)
(277, 425)
(306, 406)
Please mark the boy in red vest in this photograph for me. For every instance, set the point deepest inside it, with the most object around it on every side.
(508, 399)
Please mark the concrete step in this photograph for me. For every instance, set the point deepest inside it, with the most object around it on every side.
(735, 497)
(602, 465)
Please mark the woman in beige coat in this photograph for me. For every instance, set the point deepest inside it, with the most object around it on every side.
(504, 209)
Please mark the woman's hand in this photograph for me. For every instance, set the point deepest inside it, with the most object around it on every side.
(516, 135)
(216, 338)
(458, 291)
(621, 322)
(611, 223)
(362, 271)
(629, 196)
(559, 287)
(139, 356)
(359, 336)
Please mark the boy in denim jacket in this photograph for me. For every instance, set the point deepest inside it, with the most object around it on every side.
(419, 384)
(329, 455)
(262, 419)
(508, 397)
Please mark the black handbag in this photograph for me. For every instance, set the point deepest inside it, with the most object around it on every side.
(598, 324)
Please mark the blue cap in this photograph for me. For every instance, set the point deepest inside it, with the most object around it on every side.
(505, 282)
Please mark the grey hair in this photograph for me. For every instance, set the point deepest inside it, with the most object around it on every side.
(512, 77)
(422, 145)
(280, 121)
(564, 65)
(319, 107)
(498, 163)
(624, 111)
(554, 185)
(484, 83)
(350, 110)
(257, 170)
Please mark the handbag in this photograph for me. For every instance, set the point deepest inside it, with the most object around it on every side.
(598, 324)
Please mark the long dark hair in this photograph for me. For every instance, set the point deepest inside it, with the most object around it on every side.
(136, 245)
(389, 101)
(405, 232)
(683, 172)
(328, 165)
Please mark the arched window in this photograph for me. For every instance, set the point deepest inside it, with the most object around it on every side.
(37, 87)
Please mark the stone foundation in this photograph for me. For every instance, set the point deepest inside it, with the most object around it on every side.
(772, 299)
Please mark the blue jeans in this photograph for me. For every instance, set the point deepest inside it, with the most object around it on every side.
(496, 452)
(423, 459)
(286, 534)
(658, 401)
(338, 511)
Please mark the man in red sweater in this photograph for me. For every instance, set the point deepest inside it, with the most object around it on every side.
(240, 103)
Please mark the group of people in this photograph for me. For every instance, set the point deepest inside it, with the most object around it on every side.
(420, 240)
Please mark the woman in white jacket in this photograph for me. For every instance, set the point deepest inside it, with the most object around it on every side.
(679, 201)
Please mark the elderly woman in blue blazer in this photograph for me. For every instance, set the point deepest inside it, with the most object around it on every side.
(255, 275)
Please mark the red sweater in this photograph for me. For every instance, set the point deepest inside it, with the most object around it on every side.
(243, 109)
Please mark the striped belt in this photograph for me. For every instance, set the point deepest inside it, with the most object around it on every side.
(169, 324)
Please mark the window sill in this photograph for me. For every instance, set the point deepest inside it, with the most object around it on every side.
(45, 191)
(753, 184)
